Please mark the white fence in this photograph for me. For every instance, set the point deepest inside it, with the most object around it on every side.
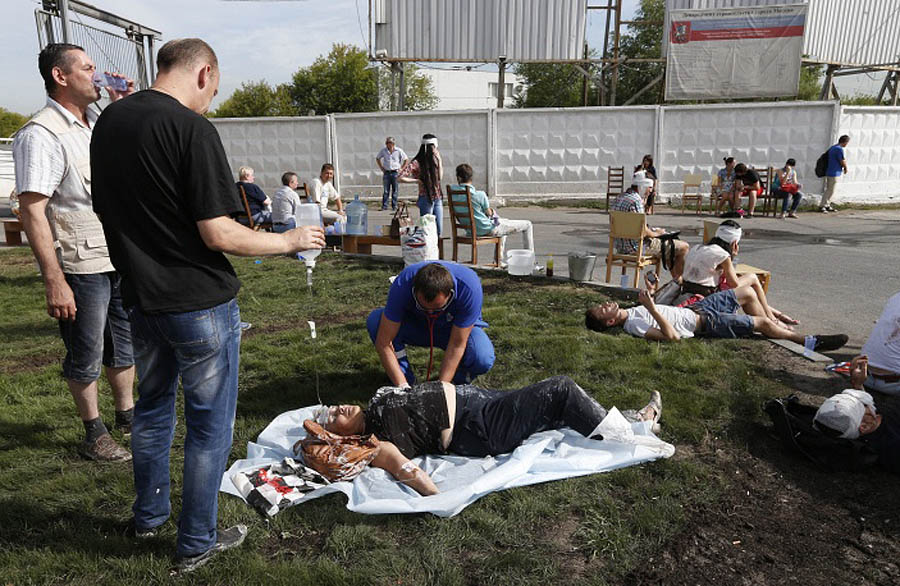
(565, 153)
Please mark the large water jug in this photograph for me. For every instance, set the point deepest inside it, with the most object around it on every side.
(357, 218)
(309, 214)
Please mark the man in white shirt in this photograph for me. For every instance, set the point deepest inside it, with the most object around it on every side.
(323, 191)
(390, 160)
(883, 350)
(713, 317)
(53, 182)
(284, 203)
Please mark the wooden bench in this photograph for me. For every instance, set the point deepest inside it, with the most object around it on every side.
(12, 227)
(363, 244)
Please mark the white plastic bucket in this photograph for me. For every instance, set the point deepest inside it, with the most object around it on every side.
(520, 261)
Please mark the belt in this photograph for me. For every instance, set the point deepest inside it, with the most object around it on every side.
(392, 170)
(702, 322)
(888, 378)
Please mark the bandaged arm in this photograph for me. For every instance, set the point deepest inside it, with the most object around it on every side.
(400, 467)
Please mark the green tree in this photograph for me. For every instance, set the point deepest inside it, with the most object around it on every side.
(254, 99)
(640, 41)
(10, 122)
(341, 82)
(550, 85)
(810, 83)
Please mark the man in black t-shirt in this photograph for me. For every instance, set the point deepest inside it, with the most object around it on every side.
(163, 190)
(746, 185)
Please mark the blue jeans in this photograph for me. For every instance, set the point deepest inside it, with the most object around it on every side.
(722, 320)
(428, 206)
(794, 197)
(478, 357)
(289, 225)
(202, 347)
(100, 333)
(389, 181)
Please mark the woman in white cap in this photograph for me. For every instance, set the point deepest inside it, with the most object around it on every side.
(710, 267)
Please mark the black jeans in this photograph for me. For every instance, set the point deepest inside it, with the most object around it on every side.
(489, 423)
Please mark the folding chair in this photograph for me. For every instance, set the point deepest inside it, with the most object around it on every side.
(615, 183)
(462, 218)
(691, 191)
(628, 226)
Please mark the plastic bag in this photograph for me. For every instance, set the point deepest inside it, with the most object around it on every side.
(419, 242)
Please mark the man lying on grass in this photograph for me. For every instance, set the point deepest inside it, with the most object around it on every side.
(440, 418)
(713, 317)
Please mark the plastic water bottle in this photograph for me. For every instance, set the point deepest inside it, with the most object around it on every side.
(357, 218)
(102, 80)
(309, 214)
(550, 266)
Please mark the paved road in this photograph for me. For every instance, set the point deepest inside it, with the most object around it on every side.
(832, 272)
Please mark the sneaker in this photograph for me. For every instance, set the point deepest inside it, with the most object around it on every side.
(104, 449)
(830, 342)
(824, 210)
(792, 215)
(654, 406)
(383, 208)
(830, 208)
(245, 325)
(140, 534)
(227, 539)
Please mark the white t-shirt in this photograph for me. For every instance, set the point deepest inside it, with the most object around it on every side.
(883, 345)
(701, 262)
(639, 320)
(323, 193)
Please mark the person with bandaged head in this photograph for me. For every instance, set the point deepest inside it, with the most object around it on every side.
(851, 414)
(709, 268)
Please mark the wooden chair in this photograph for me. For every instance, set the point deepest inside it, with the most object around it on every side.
(629, 226)
(768, 194)
(303, 187)
(462, 220)
(256, 226)
(691, 191)
(615, 183)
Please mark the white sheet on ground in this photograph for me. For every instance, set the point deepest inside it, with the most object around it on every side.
(545, 456)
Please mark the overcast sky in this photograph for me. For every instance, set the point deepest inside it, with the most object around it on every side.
(253, 39)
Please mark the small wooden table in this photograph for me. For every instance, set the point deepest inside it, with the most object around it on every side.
(363, 244)
(764, 276)
(12, 228)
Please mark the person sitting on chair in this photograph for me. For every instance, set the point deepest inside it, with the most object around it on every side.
(746, 184)
(724, 192)
(284, 204)
(257, 199)
(632, 200)
(709, 268)
(487, 222)
(323, 191)
(713, 317)
(440, 418)
(785, 185)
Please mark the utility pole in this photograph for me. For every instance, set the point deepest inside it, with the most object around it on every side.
(402, 100)
(615, 73)
(584, 81)
(501, 80)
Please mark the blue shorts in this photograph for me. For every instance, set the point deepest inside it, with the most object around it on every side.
(722, 320)
(101, 332)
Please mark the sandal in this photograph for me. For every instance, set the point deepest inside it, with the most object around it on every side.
(654, 407)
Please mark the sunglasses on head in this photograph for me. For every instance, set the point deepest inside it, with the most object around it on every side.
(427, 311)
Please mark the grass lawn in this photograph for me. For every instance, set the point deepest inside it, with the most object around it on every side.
(62, 519)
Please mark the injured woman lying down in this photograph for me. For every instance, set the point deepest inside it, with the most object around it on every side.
(440, 418)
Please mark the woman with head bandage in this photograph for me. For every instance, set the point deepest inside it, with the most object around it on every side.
(709, 268)
(427, 169)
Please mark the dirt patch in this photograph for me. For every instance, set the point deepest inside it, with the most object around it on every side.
(295, 324)
(781, 520)
(27, 363)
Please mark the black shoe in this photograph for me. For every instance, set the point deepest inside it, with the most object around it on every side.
(383, 208)
(227, 539)
(124, 429)
(830, 342)
(140, 534)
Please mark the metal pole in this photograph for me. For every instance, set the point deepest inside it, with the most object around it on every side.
(393, 86)
(501, 81)
(602, 96)
(63, 6)
(829, 82)
(152, 60)
(615, 73)
(584, 81)
(402, 100)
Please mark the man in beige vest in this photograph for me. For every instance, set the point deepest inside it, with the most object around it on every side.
(53, 182)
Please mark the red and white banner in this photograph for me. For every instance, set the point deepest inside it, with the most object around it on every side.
(734, 52)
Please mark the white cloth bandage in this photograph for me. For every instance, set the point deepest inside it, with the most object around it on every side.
(729, 233)
(321, 415)
(433, 141)
(844, 412)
